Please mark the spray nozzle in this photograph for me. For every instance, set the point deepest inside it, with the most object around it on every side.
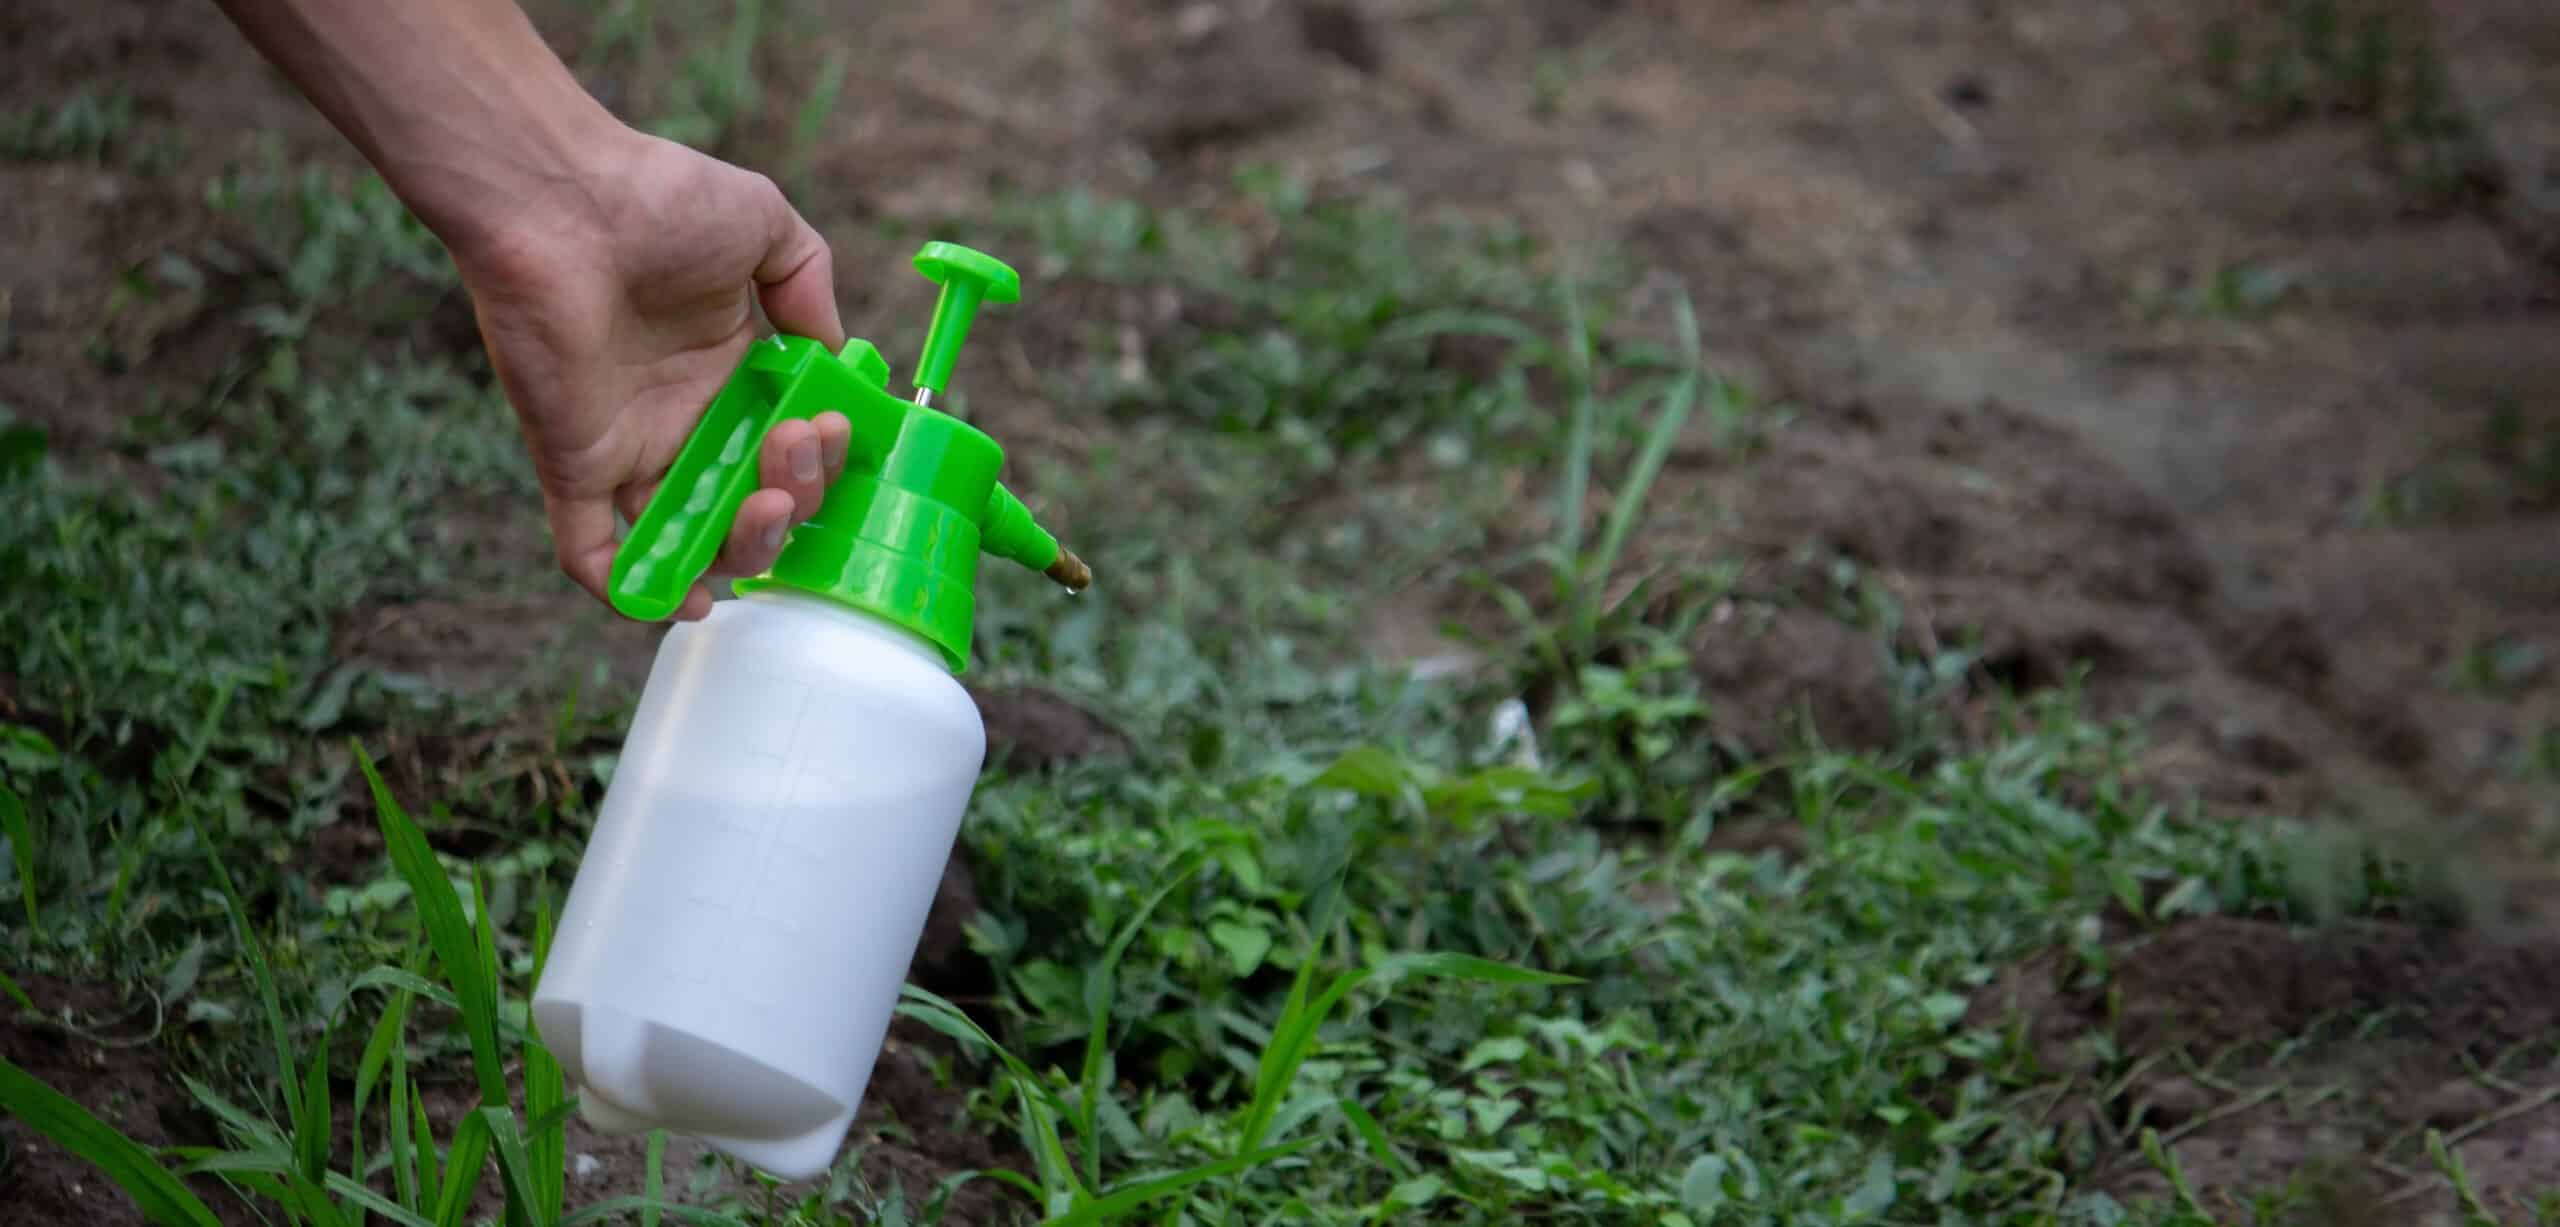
(900, 531)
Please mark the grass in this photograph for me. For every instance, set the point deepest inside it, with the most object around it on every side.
(1317, 948)
(2372, 60)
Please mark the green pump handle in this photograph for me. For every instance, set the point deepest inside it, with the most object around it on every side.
(900, 530)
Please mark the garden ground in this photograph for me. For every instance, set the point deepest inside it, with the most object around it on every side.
(2185, 367)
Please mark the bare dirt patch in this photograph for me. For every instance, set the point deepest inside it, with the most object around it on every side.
(2269, 1058)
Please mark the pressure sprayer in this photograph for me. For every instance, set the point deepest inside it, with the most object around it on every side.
(741, 925)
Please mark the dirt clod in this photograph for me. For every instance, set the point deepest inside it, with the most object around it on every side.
(1774, 676)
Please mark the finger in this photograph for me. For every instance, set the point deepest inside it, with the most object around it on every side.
(697, 604)
(793, 460)
(835, 439)
(756, 536)
(795, 280)
(633, 498)
(583, 539)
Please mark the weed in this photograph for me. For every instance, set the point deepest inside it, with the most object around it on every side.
(89, 125)
(2368, 59)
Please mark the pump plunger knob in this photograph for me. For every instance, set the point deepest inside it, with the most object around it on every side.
(967, 277)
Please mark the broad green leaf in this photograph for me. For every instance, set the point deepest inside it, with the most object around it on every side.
(154, 1189)
(1875, 1191)
(1502, 1050)
(1702, 1186)
(1244, 945)
(1415, 1193)
(183, 972)
(1371, 772)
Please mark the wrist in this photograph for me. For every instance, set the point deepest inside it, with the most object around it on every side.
(541, 175)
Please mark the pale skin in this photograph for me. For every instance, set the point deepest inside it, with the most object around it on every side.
(615, 276)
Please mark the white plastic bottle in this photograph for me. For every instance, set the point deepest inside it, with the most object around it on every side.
(759, 878)
(735, 943)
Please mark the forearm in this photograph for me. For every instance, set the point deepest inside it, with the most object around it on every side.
(468, 116)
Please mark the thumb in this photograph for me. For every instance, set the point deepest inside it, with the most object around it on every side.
(795, 278)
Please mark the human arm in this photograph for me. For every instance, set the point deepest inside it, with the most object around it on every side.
(615, 276)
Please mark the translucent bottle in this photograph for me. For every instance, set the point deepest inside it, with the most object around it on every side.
(742, 921)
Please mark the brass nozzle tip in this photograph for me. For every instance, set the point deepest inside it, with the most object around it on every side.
(1070, 571)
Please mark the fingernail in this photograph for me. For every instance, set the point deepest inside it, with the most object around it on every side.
(773, 535)
(804, 460)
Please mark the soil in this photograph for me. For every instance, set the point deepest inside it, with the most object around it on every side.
(2237, 426)
(89, 1046)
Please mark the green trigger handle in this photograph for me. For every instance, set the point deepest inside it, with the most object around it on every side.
(681, 530)
(900, 530)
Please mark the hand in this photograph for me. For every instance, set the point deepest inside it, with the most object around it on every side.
(614, 318)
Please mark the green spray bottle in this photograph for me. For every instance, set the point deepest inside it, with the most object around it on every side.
(734, 945)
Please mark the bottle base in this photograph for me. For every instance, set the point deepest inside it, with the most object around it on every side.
(805, 1157)
(632, 1075)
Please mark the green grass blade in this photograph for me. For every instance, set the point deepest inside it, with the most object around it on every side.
(462, 1167)
(404, 1172)
(1578, 444)
(254, 951)
(1373, 1135)
(259, 1132)
(654, 1185)
(154, 1189)
(388, 1031)
(546, 1101)
(357, 1194)
(276, 1163)
(1466, 967)
(407, 1180)
(1300, 1020)
(1041, 1107)
(313, 1200)
(20, 832)
(417, 985)
(1129, 1197)
(515, 1163)
(1098, 988)
(448, 932)
(1629, 505)
(128, 861)
(203, 1161)
(311, 1128)
(10, 989)
(1290, 1042)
